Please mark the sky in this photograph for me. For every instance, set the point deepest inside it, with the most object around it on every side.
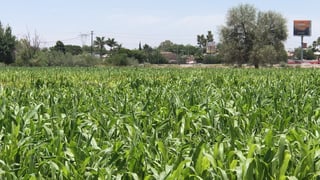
(147, 21)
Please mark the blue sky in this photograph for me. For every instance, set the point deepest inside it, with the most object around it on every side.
(145, 21)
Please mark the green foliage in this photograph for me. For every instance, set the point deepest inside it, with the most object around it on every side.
(238, 35)
(203, 40)
(24, 52)
(247, 31)
(264, 55)
(138, 55)
(122, 59)
(153, 56)
(26, 49)
(7, 45)
(59, 47)
(138, 123)
(212, 59)
(73, 49)
(166, 45)
(111, 42)
(308, 54)
(86, 49)
(99, 43)
(80, 123)
(271, 28)
(282, 55)
(271, 31)
(156, 58)
(57, 58)
(179, 49)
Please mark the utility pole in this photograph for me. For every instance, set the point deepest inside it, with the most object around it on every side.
(91, 43)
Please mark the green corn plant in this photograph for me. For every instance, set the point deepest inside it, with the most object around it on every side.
(159, 123)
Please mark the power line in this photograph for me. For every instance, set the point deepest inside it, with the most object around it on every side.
(63, 40)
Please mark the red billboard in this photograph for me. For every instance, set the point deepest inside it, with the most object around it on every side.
(302, 27)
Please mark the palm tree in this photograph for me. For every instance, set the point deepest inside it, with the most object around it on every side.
(100, 43)
(111, 43)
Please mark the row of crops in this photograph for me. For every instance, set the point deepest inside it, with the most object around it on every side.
(136, 123)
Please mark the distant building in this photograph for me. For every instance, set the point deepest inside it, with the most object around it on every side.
(211, 47)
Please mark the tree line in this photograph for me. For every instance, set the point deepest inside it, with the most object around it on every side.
(249, 36)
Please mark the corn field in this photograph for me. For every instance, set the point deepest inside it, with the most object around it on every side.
(149, 123)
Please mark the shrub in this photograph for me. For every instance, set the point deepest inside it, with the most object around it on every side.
(212, 59)
(157, 58)
(56, 58)
(122, 59)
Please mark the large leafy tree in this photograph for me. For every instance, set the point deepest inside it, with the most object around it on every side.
(247, 33)
(238, 34)
(270, 34)
(100, 42)
(7, 45)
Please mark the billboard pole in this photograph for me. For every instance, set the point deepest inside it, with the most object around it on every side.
(301, 47)
(302, 28)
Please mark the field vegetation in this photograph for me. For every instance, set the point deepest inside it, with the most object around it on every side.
(136, 123)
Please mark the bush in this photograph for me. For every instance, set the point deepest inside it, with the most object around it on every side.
(52, 58)
(283, 64)
(122, 59)
(56, 58)
(212, 59)
(157, 58)
(85, 60)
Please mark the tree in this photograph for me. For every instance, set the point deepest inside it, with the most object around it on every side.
(73, 49)
(27, 49)
(263, 55)
(86, 49)
(156, 58)
(209, 36)
(132, 55)
(238, 35)
(147, 50)
(203, 40)
(111, 43)
(308, 53)
(166, 45)
(140, 47)
(246, 32)
(100, 43)
(138, 55)
(7, 45)
(271, 31)
(315, 44)
(59, 47)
